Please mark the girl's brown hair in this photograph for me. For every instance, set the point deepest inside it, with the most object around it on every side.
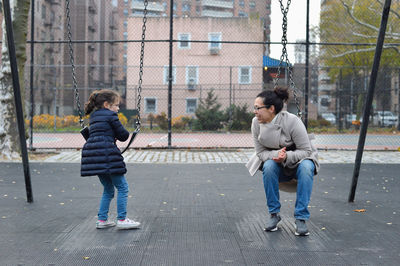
(97, 99)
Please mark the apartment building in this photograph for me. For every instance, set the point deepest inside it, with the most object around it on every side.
(254, 9)
(233, 72)
(97, 64)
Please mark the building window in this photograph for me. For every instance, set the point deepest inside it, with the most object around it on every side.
(184, 40)
(186, 7)
(126, 12)
(214, 37)
(192, 75)
(150, 105)
(252, 4)
(243, 14)
(166, 74)
(191, 105)
(244, 75)
(43, 12)
(241, 3)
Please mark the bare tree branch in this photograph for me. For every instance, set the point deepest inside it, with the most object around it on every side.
(350, 11)
(364, 50)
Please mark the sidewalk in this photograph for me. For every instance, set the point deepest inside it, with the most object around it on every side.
(197, 214)
(213, 156)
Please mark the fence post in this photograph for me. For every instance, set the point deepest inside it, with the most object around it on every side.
(398, 101)
(32, 111)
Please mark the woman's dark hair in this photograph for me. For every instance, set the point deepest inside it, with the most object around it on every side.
(97, 99)
(276, 98)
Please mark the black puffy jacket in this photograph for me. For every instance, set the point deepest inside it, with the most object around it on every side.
(100, 154)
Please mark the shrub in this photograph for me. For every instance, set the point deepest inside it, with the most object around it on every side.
(209, 117)
(123, 119)
(180, 122)
(240, 117)
(162, 120)
(70, 121)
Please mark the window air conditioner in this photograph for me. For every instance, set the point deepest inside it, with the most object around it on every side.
(214, 50)
(191, 84)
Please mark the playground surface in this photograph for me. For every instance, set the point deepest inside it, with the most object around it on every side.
(197, 214)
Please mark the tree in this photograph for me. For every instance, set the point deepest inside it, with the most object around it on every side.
(209, 116)
(9, 142)
(357, 21)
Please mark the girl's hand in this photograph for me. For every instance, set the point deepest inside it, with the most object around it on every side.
(281, 156)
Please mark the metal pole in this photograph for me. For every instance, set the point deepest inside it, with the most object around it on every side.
(340, 102)
(230, 94)
(398, 101)
(17, 98)
(31, 75)
(370, 96)
(171, 19)
(55, 109)
(307, 65)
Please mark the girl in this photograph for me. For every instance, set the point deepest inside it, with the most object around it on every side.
(101, 156)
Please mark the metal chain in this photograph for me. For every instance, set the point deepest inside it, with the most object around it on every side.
(71, 58)
(284, 56)
(139, 89)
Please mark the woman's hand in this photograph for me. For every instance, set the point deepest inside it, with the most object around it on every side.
(281, 156)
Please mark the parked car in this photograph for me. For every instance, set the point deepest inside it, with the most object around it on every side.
(385, 119)
(351, 119)
(330, 117)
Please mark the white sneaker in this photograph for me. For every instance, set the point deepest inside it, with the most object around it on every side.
(127, 224)
(104, 224)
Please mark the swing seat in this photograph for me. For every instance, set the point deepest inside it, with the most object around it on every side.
(289, 186)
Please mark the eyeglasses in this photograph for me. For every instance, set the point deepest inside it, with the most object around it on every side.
(257, 108)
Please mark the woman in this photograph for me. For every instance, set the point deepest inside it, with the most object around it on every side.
(283, 152)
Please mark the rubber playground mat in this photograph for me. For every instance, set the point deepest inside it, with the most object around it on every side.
(197, 214)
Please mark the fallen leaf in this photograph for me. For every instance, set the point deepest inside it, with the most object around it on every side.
(86, 258)
(389, 223)
(360, 210)
(222, 194)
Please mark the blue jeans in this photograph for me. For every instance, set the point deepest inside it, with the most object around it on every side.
(109, 182)
(273, 174)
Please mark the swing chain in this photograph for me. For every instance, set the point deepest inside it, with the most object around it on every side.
(139, 89)
(284, 56)
(71, 58)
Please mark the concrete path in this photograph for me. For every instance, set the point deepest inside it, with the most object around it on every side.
(212, 156)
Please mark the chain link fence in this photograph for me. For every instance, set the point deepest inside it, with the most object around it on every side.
(219, 65)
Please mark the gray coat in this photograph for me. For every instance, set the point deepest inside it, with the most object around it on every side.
(286, 130)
